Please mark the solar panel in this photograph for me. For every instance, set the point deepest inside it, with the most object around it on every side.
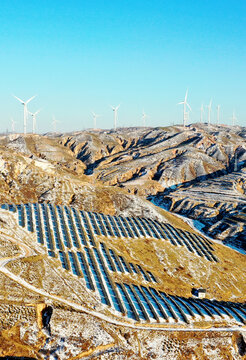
(85, 270)
(145, 227)
(179, 311)
(131, 312)
(55, 227)
(133, 267)
(98, 280)
(20, 211)
(120, 227)
(39, 229)
(153, 279)
(113, 226)
(160, 311)
(64, 231)
(137, 303)
(145, 275)
(87, 227)
(114, 296)
(71, 227)
(107, 257)
(64, 260)
(165, 305)
(80, 229)
(139, 227)
(99, 221)
(152, 228)
(106, 224)
(93, 223)
(47, 232)
(133, 227)
(125, 265)
(126, 227)
(117, 263)
(145, 303)
(29, 217)
(74, 265)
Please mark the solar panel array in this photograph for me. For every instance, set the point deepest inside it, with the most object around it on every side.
(75, 239)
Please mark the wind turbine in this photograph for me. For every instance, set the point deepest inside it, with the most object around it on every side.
(115, 110)
(34, 122)
(209, 106)
(201, 113)
(25, 109)
(54, 122)
(144, 116)
(234, 118)
(95, 116)
(12, 125)
(218, 114)
(185, 112)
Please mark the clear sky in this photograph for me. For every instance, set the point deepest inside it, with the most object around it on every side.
(84, 55)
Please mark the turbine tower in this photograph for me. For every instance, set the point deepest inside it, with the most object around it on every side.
(54, 122)
(12, 125)
(209, 111)
(34, 122)
(218, 114)
(25, 109)
(95, 116)
(115, 110)
(185, 112)
(234, 118)
(144, 116)
(201, 113)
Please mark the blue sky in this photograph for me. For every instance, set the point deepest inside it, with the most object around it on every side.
(79, 56)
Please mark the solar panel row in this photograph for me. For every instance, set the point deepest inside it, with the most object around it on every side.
(138, 302)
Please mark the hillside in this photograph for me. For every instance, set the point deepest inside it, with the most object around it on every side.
(100, 244)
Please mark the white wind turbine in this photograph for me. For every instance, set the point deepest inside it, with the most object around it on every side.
(115, 110)
(185, 112)
(201, 113)
(25, 109)
(13, 125)
(209, 106)
(54, 122)
(34, 121)
(234, 118)
(144, 116)
(95, 116)
(218, 114)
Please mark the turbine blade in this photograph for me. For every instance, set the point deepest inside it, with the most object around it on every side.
(186, 94)
(188, 106)
(30, 99)
(23, 102)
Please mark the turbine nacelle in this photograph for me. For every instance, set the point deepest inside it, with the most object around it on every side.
(185, 113)
(25, 109)
(115, 109)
